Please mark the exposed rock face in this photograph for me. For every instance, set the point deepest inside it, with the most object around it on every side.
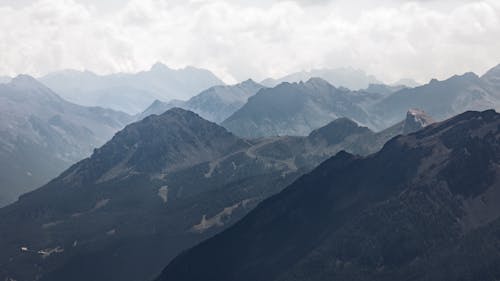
(415, 120)
(425, 207)
(41, 134)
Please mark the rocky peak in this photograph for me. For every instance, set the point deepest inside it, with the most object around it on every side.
(416, 119)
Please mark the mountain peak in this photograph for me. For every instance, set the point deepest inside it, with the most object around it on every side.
(416, 119)
(160, 143)
(158, 66)
(180, 112)
(249, 82)
(24, 79)
(317, 81)
(338, 130)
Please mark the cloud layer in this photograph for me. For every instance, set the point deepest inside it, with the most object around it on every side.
(238, 39)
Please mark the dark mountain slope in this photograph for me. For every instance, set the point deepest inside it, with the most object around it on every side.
(423, 208)
(158, 187)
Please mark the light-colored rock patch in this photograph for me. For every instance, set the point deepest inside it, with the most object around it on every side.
(163, 193)
(50, 251)
(219, 219)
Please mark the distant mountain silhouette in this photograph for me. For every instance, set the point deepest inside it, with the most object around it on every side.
(341, 77)
(129, 92)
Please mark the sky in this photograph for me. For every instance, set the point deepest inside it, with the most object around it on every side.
(240, 39)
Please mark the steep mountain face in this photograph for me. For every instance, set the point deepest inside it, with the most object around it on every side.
(158, 187)
(297, 109)
(341, 77)
(214, 104)
(441, 99)
(423, 208)
(131, 93)
(42, 134)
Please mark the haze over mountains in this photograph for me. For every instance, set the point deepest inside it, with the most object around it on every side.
(42, 134)
(130, 92)
(158, 187)
(424, 208)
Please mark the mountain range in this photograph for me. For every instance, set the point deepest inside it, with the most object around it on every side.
(41, 134)
(130, 92)
(299, 108)
(235, 171)
(425, 207)
(214, 104)
(158, 187)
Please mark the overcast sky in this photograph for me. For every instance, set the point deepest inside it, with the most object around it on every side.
(238, 39)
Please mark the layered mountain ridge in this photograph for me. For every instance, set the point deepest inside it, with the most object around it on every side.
(424, 207)
(160, 186)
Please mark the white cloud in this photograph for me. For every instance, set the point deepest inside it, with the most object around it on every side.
(241, 38)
